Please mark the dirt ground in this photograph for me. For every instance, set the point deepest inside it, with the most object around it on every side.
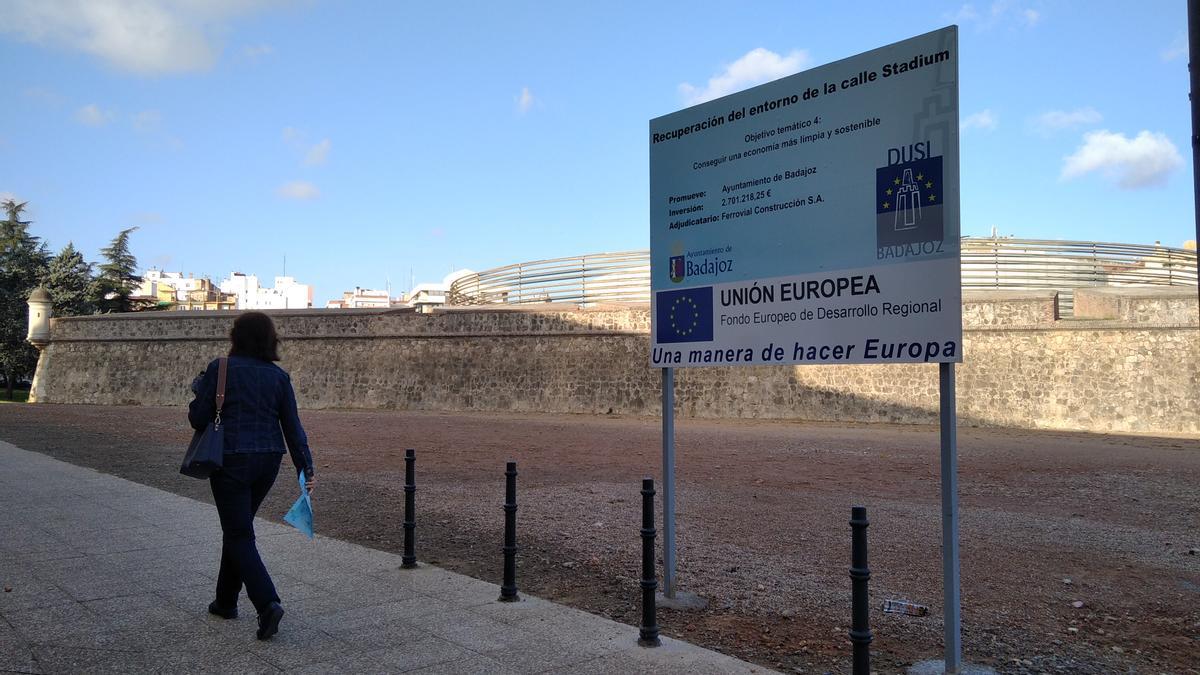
(1080, 553)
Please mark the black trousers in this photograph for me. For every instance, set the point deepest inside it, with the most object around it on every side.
(238, 489)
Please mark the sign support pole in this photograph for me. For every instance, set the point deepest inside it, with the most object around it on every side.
(668, 442)
(950, 562)
(1193, 20)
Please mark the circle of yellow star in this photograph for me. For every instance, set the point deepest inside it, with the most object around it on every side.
(932, 198)
(928, 183)
(887, 205)
(889, 192)
(695, 316)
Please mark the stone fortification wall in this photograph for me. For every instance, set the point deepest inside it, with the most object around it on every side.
(1124, 363)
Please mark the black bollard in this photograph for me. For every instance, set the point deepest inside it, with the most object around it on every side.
(409, 559)
(860, 630)
(508, 590)
(649, 632)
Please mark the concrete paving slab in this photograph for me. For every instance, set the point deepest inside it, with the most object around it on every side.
(22, 589)
(474, 665)
(361, 618)
(431, 651)
(394, 634)
(35, 544)
(529, 610)
(188, 594)
(174, 661)
(146, 612)
(294, 648)
(674, 656)
(475, 632)
(543, 653)
(112, 576)
(64, 623)
(75, 659)
(16, 655)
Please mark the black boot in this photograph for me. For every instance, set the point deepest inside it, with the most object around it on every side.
(214, 608)
(268, 621)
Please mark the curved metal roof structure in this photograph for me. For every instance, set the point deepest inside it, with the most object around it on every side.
(987, 263)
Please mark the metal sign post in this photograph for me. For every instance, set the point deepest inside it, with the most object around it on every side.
(950, 565)
(668, 442)
(1193, 20)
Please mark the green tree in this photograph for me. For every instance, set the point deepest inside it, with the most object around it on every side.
(69, 282)
(22, 265)
(116, 281)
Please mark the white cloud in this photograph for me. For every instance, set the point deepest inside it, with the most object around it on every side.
(255, 52)
(755, 67)
(149, 218)
(1143, 161)
(313, 155)
(147, 120)
(318, 153)
(1177, 48)
(525, 100)
(985, 120)
(149, 123)
(1000, 11)
(44, 95)
(965, 14)
(91, 115)
(142, 36)
(1057, 120)
(299, 190)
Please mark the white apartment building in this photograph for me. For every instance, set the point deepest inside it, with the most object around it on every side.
(423, 296)
(157, 283)
(428, 295)
(287, 293)
(361, 298)
(180, 292)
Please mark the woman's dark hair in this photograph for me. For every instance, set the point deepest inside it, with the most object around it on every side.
(253, 335)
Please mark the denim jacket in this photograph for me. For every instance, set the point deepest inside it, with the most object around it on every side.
(259, 412)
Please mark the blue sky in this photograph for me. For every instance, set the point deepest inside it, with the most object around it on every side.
(366, 141)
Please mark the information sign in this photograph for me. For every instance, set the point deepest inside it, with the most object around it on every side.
(813, 219)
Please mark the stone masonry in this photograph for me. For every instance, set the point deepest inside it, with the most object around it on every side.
(1127, 362)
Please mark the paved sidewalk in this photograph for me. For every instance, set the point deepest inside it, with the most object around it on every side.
(100, 574)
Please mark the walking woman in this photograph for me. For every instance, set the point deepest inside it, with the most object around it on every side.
(259, 413)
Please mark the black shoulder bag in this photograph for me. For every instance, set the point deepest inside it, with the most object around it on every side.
(206, 453)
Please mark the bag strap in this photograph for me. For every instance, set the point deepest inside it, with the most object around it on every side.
(222, 368)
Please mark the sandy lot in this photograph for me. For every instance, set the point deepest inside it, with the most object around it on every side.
(1049, 520)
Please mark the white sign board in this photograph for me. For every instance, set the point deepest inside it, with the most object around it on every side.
(813, 219)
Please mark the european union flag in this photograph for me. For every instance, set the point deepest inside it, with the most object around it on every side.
(685, 315)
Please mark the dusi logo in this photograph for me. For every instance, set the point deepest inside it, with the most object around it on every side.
(908, 203)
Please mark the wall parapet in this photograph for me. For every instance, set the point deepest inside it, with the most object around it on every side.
(1131, 368)
(1139, 305)
(1009, 308)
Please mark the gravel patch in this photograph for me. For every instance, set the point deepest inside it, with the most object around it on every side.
(1048, 520)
